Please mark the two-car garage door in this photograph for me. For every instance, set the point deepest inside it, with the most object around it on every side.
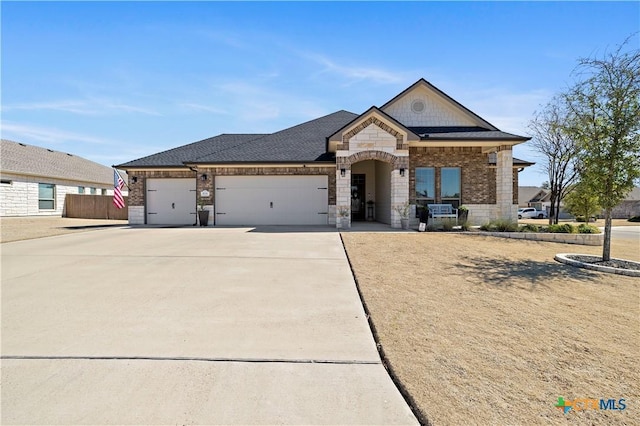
(271, 200)
(242, 200)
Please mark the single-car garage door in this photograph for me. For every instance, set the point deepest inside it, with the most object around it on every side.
(271, 200)
(171, 201)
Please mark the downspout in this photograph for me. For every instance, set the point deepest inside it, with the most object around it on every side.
(196, 189)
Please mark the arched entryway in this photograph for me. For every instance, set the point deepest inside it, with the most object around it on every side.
(370, 185)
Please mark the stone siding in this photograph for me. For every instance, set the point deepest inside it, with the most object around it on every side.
(136, 215)
(368, 123)
(373, 137)
(20, 197)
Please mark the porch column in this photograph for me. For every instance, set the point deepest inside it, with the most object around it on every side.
(399, 192)
(504, 183)
(343, 193)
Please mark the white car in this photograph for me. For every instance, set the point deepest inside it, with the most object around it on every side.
(531, 213)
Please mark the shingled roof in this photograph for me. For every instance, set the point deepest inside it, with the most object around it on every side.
(177, 157)
(302, 143)
(305, 142)
(464, 133)
(23, 159)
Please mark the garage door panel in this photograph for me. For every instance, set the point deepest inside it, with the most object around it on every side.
(271, 200)
(171, 201)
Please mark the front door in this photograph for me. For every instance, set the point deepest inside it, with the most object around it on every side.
(357, 197)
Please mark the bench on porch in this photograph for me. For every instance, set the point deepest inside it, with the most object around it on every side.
(443, 211)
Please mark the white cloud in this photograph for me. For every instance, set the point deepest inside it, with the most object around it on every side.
(355, 73)
(89, 106)
(25, 132)
(193, 106)
(223, 37)
(252, 102)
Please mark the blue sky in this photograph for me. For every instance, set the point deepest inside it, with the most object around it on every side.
(116, 81)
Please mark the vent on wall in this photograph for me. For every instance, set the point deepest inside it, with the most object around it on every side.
(6, 182)
(417, 106)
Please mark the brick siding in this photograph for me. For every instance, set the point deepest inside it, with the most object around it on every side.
(478, 180)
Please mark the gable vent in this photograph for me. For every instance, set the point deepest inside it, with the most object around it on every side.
(417, 106)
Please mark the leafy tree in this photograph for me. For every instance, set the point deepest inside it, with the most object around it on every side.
(605, 121)
(581, 201)
(545, 185)
(559, 150)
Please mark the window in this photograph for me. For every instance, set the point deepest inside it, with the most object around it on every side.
(103, 191)
(425, 186)
(46, 196)
(81, 190)
(450, 186)
(93, 191)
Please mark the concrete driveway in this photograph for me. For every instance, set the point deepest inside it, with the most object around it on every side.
(188, 326)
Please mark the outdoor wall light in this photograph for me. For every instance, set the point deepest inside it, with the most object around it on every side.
(204, 177)
(343, 172)
(401, 172)
(134, 179)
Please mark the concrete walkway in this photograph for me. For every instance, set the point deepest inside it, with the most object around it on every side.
(188, 326)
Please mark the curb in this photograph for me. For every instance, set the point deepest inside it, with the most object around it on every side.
(563, 258)
(420, 416)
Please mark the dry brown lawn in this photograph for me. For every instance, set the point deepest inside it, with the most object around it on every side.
(483, 330)
(26, 228)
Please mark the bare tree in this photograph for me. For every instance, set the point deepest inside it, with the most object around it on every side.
(605, 106)
(559, 150)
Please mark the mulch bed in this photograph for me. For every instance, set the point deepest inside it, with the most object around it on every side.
(613, 263)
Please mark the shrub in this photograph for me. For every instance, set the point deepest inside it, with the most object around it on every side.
(580, 219)
(447, 225)
(634, 219)
(464, 225)
(565, 228)
(529, 227)
(500, 225)
(588, 229)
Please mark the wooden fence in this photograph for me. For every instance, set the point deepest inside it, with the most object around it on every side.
(93, 207)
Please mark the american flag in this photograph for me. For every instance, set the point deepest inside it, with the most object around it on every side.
(118, 183)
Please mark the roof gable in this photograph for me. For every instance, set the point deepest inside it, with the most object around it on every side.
(424, 105)
(364, 120)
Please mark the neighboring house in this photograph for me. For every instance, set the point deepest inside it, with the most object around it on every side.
(533, 196)
(35, 180)
(628, 208)
(420, 147)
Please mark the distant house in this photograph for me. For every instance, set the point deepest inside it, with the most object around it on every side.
(533, 196)
(35, 180)
(628, 208)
